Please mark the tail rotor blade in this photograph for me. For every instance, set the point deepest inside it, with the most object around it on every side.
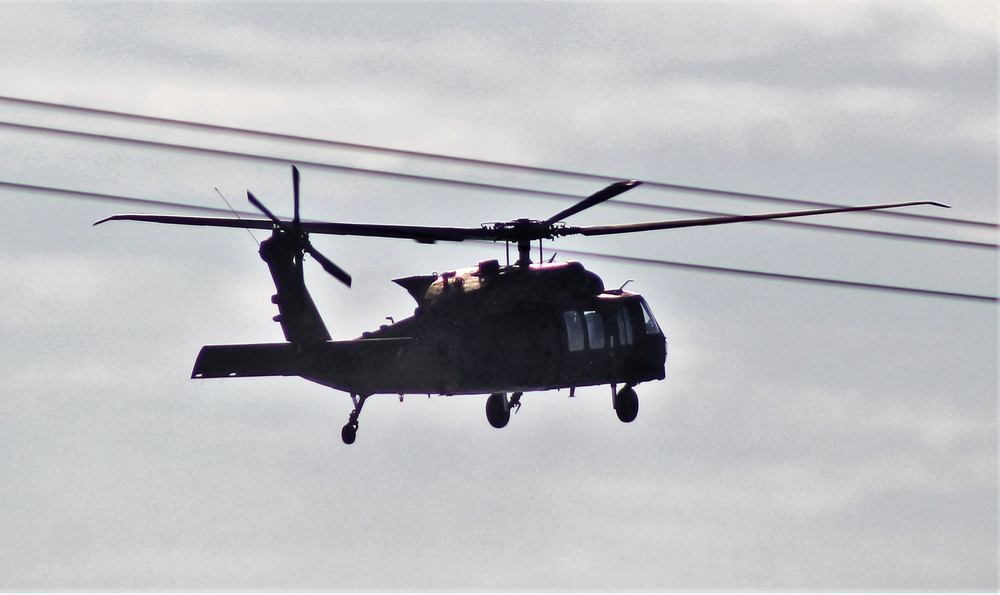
(260, 207)
(296, 224)
(338, 273)
(327, 264)
(295, 191)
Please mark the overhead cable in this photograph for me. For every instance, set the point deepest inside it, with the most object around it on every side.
(144, 202)
(465, 160)
(467, 184)
(785, 277)
(621, 258)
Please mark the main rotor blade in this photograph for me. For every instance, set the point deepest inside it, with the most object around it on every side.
(594, 199)
(339, 273)
(185, 220)
(600, 230)
(429, 235)
(425, 235)
(422, 234)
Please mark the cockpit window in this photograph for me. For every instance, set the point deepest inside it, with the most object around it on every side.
(651, 327)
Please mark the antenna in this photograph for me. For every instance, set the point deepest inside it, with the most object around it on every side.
(237, 215)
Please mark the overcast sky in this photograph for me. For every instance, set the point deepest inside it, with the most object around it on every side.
(805, 438)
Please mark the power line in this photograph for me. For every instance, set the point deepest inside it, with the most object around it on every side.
(785, 277)
(477, 185)
(468, 161)
(143, 202)
(621, 258)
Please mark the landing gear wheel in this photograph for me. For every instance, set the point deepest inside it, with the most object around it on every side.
(497, 410)
(350, 431)
(627, 404)
(349, 434)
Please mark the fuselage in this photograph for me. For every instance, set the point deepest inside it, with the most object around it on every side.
(503, 329)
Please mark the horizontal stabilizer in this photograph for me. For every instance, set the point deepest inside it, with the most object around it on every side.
(290, 359)
(263, 359)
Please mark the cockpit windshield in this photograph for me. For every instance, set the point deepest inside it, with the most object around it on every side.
(647, 316)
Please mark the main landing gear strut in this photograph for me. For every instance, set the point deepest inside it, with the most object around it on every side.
(350, 431)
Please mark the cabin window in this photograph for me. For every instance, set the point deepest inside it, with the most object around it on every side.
(651, 327)
(624, 327)
(574, 330)
(595, 329)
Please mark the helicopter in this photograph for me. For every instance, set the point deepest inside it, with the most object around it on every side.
(499, 330)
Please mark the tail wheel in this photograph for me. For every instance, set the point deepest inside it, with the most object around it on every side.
(497, 410)
(627, 404)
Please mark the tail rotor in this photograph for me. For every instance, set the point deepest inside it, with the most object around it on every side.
(293, 230)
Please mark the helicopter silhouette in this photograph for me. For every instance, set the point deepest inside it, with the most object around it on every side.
(500, 330)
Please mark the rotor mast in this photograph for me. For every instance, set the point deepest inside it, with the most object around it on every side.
(524, 253)
(524, 231)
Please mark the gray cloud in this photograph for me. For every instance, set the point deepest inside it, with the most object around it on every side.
(804, 438)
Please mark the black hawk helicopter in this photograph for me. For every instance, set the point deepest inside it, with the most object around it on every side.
(494, 329)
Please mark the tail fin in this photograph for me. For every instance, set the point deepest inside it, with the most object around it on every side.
(297, 313)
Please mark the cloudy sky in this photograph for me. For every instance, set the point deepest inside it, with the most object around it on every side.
(805, 438)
